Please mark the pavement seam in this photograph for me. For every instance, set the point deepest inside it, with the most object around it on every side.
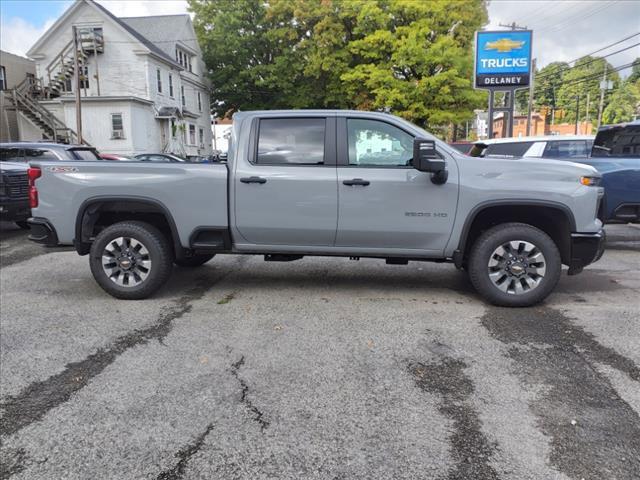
(38, 398)
(593, 431)
(184, 455)
(257, 414)
(471, 449)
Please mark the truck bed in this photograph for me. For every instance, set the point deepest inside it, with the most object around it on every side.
(195, 195)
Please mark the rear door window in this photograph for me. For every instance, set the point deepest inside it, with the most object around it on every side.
(10, 154)
(297, 141)
(507, 150)
(618, 142)
(44, 154)
(565, 149)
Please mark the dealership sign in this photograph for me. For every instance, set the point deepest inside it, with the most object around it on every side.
(503, 59)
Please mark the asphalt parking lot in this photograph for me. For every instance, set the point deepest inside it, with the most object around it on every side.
(320, 369)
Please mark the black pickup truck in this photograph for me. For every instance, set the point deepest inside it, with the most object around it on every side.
(14, 193)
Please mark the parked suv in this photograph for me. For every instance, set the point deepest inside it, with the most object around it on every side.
(554, 146)
(27, 152)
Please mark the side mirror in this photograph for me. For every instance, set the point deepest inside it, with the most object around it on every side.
(426, 159)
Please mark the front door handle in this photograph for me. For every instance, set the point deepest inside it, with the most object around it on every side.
(253, 180)
(356, 181)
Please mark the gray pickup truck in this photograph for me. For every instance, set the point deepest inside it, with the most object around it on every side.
(328, 183)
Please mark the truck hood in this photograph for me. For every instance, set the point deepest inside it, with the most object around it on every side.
(528, 166)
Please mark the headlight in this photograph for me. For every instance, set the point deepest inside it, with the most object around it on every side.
(590, 181)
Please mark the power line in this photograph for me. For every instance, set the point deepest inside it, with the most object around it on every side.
(563, 70)
(595, 76)
(608, 46)
(580, 16)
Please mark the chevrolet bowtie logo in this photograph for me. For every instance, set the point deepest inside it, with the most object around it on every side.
(504, 45)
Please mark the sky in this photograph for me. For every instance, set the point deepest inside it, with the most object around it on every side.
(563, 30)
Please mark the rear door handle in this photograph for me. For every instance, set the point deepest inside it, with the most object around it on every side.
(356, 181)
(253, 180)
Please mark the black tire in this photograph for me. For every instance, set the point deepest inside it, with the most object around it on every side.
(194, 261)
(485, 247)
(159, 254)
(23, 225)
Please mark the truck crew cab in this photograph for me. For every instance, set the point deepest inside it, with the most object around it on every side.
(333, 183)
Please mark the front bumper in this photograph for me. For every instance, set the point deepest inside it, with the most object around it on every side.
(15, 210)
(42, 232)
(586, 248)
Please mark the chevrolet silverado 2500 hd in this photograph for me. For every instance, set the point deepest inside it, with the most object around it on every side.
(332, 183)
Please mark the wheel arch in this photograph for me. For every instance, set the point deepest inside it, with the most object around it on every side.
(121, 209)
(553, 218)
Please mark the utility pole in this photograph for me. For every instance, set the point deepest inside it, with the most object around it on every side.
(513, 26)
(529, 113)
(603, 85)
(586, 122)
(577, 114)
(76, 68)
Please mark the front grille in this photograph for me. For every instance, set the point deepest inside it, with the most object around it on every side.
(17, 186)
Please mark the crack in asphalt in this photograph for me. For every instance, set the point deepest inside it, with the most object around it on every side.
(594, 432)
(184, 455)
(256, 413)
(37, 399)
(10, 466)
(471, 449)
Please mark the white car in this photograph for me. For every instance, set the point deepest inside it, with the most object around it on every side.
(551, 146)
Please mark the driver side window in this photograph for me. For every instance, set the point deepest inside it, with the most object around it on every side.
(378, 144)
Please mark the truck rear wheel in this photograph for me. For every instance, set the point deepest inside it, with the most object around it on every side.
(193, 261)
(131, 260)
(514, 265)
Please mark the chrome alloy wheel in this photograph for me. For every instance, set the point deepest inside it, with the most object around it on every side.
(126, 261)
(517, 267)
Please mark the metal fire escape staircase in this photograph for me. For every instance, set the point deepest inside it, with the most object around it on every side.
(26, 96)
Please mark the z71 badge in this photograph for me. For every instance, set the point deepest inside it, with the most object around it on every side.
(62, 169)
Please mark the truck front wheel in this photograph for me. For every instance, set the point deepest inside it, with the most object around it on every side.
(131, 260)
(514, 265)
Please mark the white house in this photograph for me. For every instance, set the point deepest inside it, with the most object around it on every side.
(143, 82)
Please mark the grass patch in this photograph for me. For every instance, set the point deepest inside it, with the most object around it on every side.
(227, 298)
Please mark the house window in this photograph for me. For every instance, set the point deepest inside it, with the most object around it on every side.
(84, 77)
(117, 127)
(199, 102)
(3, 77)
(184, 99)
(201, 135)
(67, 86)
(159, 78)
(192, 134)
(189, 61)
(171, 85)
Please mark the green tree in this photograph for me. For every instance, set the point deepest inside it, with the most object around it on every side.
(412, 56)
(635, 71)
(624, 104)
(582, 82)
(548, 82)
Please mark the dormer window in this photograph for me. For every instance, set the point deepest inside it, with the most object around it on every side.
(184, 59)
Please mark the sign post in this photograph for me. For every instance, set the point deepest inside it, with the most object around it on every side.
(503, 63)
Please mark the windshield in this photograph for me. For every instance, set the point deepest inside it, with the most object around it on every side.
(618, 142)
(86, 154)
(507, 150)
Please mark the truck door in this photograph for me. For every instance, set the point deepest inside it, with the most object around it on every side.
(286, 193)
(383, 201)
